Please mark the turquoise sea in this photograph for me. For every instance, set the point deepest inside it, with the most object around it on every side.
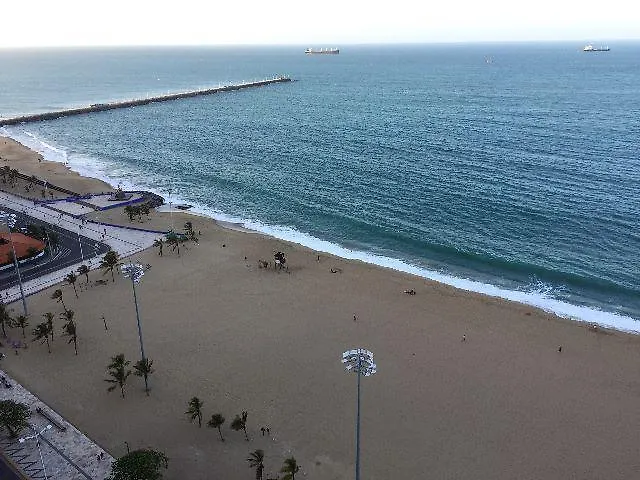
(507, 169)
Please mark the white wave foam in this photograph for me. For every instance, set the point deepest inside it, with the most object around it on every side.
(28, 139)
(539, 296)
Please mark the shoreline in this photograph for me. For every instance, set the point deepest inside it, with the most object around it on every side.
(532, 298)
(468, 386)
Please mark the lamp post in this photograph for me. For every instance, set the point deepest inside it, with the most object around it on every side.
(10, 220)
(36, 435)
(80, 243)
(135, 271)
(361, 362)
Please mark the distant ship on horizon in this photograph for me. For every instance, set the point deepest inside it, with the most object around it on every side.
(322, 51)
(591, 48)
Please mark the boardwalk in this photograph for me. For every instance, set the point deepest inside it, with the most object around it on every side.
(101, 107)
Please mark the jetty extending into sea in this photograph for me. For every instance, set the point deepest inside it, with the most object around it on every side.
(101, 107)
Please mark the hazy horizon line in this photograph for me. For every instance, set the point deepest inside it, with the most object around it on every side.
(299, 45)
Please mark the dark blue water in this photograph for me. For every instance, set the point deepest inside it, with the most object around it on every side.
(512, 170)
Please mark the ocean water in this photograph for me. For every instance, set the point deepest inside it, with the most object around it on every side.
(506, 169)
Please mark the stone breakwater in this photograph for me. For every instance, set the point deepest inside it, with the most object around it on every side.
(101, 107)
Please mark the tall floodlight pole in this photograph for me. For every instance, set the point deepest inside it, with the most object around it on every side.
(37, 437)
(361, 362)
(135, 271)
(10, 220)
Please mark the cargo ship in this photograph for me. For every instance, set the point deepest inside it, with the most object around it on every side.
(322, 51)
(591, 48)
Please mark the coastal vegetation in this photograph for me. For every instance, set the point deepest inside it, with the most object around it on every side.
(240, 423)
(58, 297)
(137, 210)
(84, 270)
(216, 421)
(69, 328)
(256, 460)
(119, 373)
(21, 321)
(145, 464)
(42, 333)
(195, 410)
(158, 243)
(109, 262)
(71, 279)
(290, 468)
(14, 416)
(48, 317)
(144, 368)
(5, 318)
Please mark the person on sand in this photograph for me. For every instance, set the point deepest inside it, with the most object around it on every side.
(464, 337)
(560, 348)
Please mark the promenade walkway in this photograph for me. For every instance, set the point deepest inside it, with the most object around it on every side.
(66, 452)
(123, 240)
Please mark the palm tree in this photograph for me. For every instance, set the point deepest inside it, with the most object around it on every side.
(174, 241)
(69, 328)
(49, 318)
(4, 171)
(143, 368)
(195, 410)
(21, 321)
(71, 280)
(41, 332)
(158, 243)
(240, 423)
(109, 262)
(256, 460)
(13, 176)
(14, 417)
(290, 468)
(84, 270)
(130, 211)
(118, 370)
(5, 318)
(57, 296)
(216, 422)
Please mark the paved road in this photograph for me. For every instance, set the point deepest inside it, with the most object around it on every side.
(72, 249)
(124, 241)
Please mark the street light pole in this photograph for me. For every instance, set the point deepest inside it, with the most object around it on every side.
(80, 243)
(135, 271)
(10, 221)
(361, 362)
(37, 437)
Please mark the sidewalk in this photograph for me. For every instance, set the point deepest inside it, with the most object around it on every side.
(123, 240)
(66, 452)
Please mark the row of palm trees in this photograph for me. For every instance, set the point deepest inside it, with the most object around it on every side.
(119, 372)
(174, 239)
(256, 458)
(289, 467)
(9, 173)
(137, 210)
(44, 330)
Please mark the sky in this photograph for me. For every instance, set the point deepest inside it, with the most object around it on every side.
(325, 23)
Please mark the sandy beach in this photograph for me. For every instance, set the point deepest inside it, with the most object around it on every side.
(468, 386)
